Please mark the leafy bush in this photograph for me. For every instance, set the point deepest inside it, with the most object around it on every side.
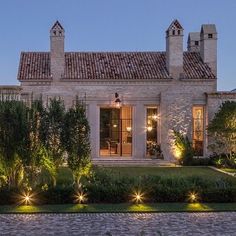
(223, 160)
(184, 148)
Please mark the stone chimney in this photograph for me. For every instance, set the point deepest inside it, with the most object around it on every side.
(194, 42)
(174, 49)
(208, 46)
(57, 53)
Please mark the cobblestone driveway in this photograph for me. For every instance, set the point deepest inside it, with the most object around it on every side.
(119, 224)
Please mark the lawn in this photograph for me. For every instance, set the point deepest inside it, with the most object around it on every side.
(125, 207)
(65, 176)
(204, 172)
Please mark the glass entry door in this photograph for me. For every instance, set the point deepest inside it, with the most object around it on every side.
(116, 131)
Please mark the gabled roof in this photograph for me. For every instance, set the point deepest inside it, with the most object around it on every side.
(57, 25)
(111, 66)
(175, 25)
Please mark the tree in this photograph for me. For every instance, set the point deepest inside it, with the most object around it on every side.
(13, 133)
(37, 157)
(52, 128)
(222, 130)
(76, 140)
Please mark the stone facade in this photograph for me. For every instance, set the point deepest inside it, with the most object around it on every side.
(174, 82)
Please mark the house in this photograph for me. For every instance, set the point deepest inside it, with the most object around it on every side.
(134, 100)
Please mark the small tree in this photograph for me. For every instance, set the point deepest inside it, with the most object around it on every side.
(222, 130)
(37, 158)
(52, 128)
(76, 140)
(13, 133)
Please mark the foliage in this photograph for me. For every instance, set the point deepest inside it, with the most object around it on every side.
(13, 133)
(154, 150)
(222, 130)
(224, 161)
(34, 141)
(76, 140)
(54, 121)
(183, 147)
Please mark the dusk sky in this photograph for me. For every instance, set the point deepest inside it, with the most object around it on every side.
(113, 25)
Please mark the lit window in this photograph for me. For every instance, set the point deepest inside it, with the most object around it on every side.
(151, 131)
(198, 130)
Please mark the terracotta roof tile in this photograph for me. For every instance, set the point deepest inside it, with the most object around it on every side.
(110, 65)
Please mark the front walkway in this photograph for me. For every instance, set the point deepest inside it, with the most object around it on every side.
(221, 223)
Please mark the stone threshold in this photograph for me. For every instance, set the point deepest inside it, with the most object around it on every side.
(222, 171)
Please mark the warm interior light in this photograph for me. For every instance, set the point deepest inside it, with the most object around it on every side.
(154, 117)
(149, 128)
(128, 129)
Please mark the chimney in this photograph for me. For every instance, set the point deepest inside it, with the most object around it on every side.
(174, 49)
(57, 54)
(208, 46)
(194, 42)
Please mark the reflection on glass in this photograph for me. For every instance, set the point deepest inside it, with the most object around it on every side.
(151, 131)
(198, 130)
(116, 131)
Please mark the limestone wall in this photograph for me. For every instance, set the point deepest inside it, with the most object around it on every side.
(174, 98)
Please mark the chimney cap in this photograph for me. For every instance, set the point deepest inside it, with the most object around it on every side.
(208, 29)
(175, 25)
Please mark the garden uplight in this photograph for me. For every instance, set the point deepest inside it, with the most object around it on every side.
(193, 197)
(26, 198)
(81, 197)
(138, 197)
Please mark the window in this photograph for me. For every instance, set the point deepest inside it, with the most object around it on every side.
(116, 131)
(151, 131)
(173, 32)
(178, 32)
(198, 130)
(196, 43)
(210, 36)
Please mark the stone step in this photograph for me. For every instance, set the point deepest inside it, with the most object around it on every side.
(131, 162)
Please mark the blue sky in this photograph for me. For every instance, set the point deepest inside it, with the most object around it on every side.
(112, 25)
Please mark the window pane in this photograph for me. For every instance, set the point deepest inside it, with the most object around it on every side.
(198, 130)
(151, 131)
(116, 131)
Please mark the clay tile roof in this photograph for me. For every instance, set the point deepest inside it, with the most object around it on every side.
(110, 65)
(34, 66)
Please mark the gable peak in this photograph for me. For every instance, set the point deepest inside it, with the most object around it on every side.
(57, 26)
(175, 25)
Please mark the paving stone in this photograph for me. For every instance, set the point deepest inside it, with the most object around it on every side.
(112, 224)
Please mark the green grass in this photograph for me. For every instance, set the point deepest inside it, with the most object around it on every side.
(65, 178)
(99, 208)
(203, 172)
